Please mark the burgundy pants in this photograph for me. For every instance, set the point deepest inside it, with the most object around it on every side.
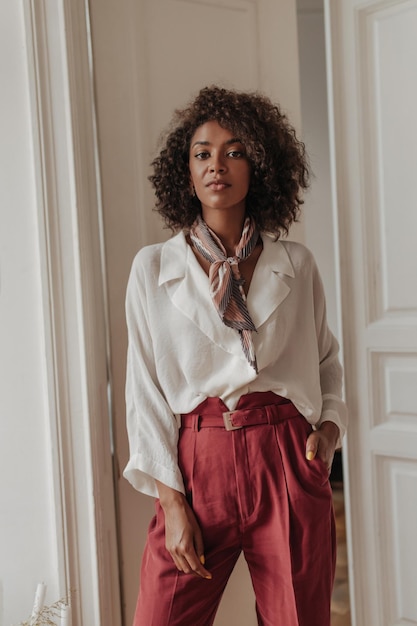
(251, 489)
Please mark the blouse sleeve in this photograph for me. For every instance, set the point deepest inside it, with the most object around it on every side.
(151, 425)
(331, 372)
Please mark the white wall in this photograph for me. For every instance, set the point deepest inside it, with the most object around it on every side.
(317, 212)
(28, 551)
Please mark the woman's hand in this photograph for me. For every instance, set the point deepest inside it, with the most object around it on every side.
(322, 442)
(183, 538)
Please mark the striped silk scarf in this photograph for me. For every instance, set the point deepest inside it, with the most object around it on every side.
(226, 282)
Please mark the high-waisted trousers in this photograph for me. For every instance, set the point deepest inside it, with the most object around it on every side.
(252, 490)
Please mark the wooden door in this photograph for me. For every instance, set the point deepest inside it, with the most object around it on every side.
(373, 50)
(151, 56)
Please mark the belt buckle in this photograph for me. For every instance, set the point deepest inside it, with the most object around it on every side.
(227, 418)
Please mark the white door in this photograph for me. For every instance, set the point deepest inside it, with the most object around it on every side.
(151, 56)
(374, 74)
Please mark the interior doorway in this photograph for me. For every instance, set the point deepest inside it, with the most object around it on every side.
(137, 54)
(319, 237)
(148, 60)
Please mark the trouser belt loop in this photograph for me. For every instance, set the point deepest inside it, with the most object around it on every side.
(196, 422)
(270, 412)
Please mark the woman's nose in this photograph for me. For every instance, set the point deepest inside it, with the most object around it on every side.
(217, 165)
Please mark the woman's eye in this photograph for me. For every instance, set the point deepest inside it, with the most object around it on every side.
(202, 155)
(236, 154)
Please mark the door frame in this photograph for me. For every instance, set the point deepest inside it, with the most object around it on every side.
(342, 244)
(74, 306)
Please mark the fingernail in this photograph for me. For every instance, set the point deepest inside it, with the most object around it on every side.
(202, 559)
(310, 455)
(209, 577)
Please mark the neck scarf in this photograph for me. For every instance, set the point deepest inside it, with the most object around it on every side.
(226, 282)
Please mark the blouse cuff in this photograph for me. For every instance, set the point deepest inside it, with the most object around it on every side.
(330, 415)
(142, 472)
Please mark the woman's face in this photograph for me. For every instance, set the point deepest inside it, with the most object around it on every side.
(219, 168)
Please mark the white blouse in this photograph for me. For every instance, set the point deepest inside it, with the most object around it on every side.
(180, 352)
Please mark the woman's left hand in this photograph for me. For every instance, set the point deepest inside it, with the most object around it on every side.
(322, 443)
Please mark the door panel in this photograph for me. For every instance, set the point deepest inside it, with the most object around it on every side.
(396, 507)
(374, 50)
(151, 56)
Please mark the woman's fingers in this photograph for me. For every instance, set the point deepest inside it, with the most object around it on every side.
(318, 445)
(183, 538)
(312, 446)
(187, 561)
(199, 546)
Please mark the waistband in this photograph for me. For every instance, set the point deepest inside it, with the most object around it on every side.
(211, 414)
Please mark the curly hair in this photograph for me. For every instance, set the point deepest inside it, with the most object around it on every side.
(279, 166)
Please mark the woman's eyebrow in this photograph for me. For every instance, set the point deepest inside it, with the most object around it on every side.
(227, 143)
(200, 143)
(234, 140)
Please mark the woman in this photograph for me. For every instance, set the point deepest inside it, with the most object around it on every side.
(233, 380)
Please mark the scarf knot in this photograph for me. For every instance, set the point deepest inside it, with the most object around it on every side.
(226, 282)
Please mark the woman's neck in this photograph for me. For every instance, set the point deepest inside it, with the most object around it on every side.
(228, 228)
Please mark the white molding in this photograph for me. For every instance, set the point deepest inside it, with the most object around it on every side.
(74, 307)
(34, 34)
(335, 113)
(357, 473)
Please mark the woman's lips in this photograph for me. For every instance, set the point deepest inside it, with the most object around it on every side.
(218, 185)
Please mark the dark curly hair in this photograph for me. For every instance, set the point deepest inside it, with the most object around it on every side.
(279, 167)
